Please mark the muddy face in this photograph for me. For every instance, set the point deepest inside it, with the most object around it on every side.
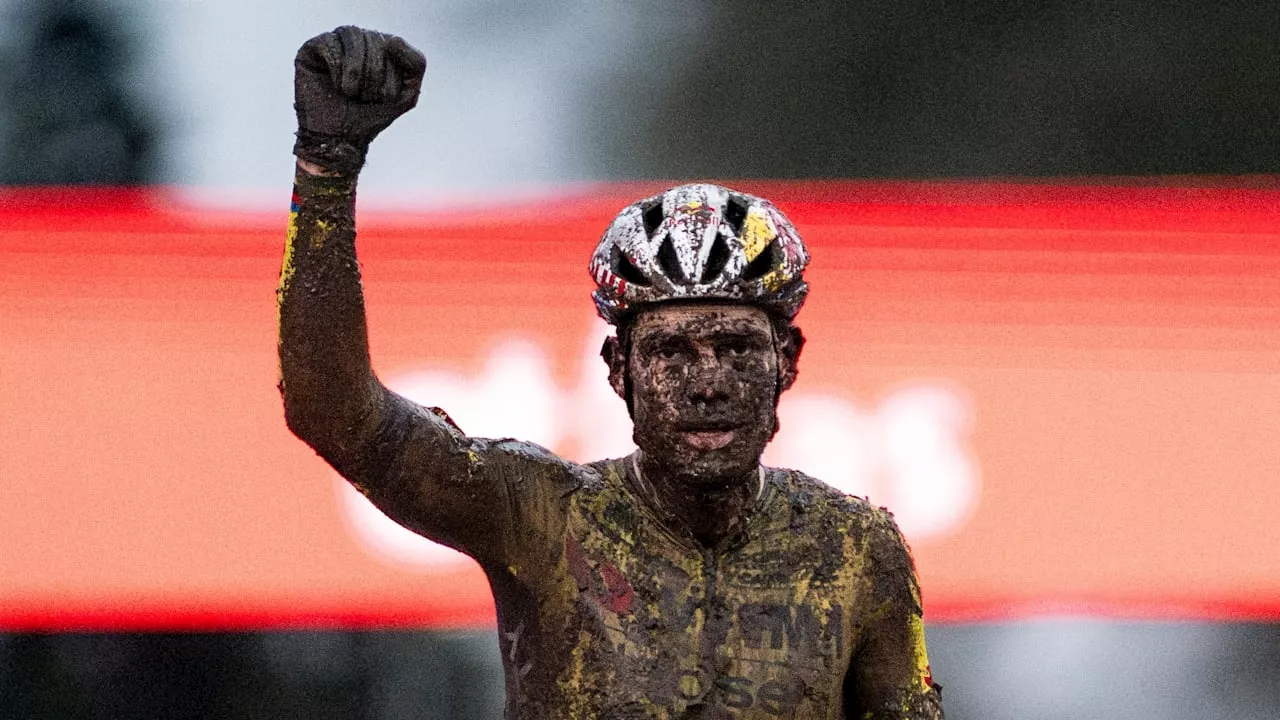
(704, 384)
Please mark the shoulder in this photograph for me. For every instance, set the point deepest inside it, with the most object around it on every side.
(857, 515)
(523, 462)
(807, 492)
(606, 474)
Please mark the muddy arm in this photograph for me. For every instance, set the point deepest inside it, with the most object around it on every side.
(409, 460)
(349, 85)
(476, 495)
(889, 676)
(332, 400)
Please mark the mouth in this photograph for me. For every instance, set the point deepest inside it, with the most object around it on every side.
(709, 437)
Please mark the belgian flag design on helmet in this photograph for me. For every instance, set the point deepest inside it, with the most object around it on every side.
(697, 242)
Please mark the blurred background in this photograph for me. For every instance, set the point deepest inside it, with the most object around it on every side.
(1045, 262)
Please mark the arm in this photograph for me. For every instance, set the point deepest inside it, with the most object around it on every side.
(410, 461)
(889, 676)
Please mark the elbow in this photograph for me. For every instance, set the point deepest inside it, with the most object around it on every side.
(301, 420)
(329, 425)
(306, 419)
(322, 432)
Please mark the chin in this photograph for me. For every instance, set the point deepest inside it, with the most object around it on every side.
(712, 467)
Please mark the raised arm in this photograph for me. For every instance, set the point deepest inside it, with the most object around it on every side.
(889, 677)
(411, 461)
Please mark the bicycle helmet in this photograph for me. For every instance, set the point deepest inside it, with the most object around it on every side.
(699, 241)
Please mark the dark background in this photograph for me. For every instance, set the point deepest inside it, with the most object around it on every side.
(873, 89)
(928, 88)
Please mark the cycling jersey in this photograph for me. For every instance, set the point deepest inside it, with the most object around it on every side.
(809, 609)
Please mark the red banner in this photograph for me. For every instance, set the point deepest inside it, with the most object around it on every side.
(1068, 394)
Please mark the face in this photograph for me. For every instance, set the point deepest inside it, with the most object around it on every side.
(704, 385)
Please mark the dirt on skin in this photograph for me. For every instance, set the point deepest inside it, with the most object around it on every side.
(683, 582)
(701, 385)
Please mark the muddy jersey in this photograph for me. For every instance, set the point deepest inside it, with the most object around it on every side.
(809, 610)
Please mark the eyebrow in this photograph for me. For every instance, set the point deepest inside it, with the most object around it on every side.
(659, 337)
(738, 334)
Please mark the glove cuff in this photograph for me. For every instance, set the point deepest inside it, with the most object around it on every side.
(330, 152)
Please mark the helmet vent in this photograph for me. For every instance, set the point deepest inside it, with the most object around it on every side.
(652, 216)
(669, 262)
(734, 213)
(716, 259)
(763, 263)
(623, 268)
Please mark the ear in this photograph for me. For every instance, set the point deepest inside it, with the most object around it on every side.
(789, 357)
(786, 372)
(616, 359)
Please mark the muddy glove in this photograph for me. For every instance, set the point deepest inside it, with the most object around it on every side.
(349, 85)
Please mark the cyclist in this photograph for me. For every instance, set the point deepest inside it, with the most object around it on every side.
(684, 581)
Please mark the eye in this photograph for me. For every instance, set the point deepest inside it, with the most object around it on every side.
(736, 349)
(668, 351)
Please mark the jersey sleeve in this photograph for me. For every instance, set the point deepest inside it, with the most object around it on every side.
(889, 675)
(487, 498)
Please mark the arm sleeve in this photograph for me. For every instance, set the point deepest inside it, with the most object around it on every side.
(499, 501)
(889, 676)
(472, 494)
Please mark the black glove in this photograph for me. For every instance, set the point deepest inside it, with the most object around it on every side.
(348, 86)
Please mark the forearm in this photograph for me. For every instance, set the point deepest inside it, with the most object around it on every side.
(331, 396)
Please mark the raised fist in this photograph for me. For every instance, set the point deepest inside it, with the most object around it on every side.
(349, 85)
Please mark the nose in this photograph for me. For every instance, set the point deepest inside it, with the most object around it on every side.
(708, 381)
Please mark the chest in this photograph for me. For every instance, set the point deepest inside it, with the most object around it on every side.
(765, 625)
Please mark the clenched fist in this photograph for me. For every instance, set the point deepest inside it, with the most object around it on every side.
(349, 85)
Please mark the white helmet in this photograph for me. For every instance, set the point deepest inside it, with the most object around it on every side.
(696, 242)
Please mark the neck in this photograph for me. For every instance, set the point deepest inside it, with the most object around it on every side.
(709, 511)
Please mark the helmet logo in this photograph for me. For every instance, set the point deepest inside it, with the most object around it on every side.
(691, 230)
(757, 233)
